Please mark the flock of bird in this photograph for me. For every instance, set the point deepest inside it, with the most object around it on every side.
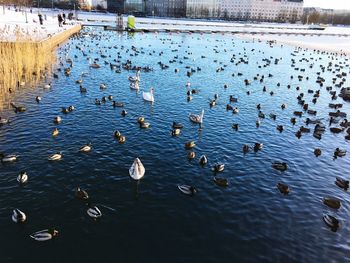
(337, 119)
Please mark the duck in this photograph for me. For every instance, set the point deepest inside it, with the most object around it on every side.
(117, 134)
(273, 116)
(331, 222)
(258, 146)
(22, 178)
(55, 157)
(235, 126)
(57, 119)
(81, 194)
(235, 110)
(44, 235)
(233, 99)
(86, 148)
(203, 160)
(55, 132)
(190, 145)
(8, 158)
(103, 86)
(121, 139)
(94, 212)
(280, 128)
(196, 118)
(191, 155)
(342, 183)
(110, 97)
(317, 152)
(38, 99)
(245, 148)
(293, 120)
(257, 123)
(188, 190)
(47, 86)
(18, 216)
(148, 96)
(144, 125)
(175, 132)
(331, 202)
(218, 167)
(177, 125)
(4, 121)
(336, 129)
(283, 188)
(220, 181)
(140, 119)
(339, 153)
(229, 107)
(118, 104)
(123, 113)
(97, 102)
(82, 89)
(304, 130)
(280, 166)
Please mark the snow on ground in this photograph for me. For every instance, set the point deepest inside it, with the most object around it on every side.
(29, 26)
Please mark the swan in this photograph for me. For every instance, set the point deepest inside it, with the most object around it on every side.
(81, 194)
(55, 157)
(8, 158)
(86, 148)
(135, 85)
(135, 78)
(47, 86)
(196, 118)
(22, 178)
(137, 170)
(148, 96)
(44, 235)
(186, 189)
(94, 212)
(18, 216)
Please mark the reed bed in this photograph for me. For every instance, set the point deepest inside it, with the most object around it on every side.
(25, 61)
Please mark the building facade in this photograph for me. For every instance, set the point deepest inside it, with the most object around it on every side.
(262, 10)
(203, 8)
(167, 8)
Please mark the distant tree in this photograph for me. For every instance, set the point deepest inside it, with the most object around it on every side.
(314, 18)
(225, 15)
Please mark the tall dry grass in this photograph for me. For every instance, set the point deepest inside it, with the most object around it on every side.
(26, 61)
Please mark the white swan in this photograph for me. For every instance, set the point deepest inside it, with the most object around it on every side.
(148, 96)
(196, 118)
(137, 170)
(135, 85)
(135, 78)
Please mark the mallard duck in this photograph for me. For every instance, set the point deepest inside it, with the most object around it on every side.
(280, 128)
(144, 125)
(190, 144)
(298, 113)
(235, 110)
(257, 123)
(220, 181)
(339, 153)
(94, 212)
(140, 119)
(44, 235)
(121, 139)
(229, 107)
(110, 97)
(281, 166)
(22, 178)
(191, 155)
(317, 152)
(117, 134)
(293, 120)
(273, 116)
(284, 189)
(97, 102)
(304, 130)
(233, 99)
(175, 132)
(188, 190)
(218, 167)
(235, 126)
(18, 216)
(86, 148)
(55, 132)
(177, 125)
(55, 157)
(8, 158)
(71, 108)
(342, 183)
(203, 160)
(81, 194)
(79, 81)
(331, 222)
(331, 202)
(336, 129)
(118, 104)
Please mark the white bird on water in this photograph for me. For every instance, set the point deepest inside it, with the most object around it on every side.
(148, 96)
(137, 170)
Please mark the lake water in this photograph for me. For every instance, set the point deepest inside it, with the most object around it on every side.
(152, 221)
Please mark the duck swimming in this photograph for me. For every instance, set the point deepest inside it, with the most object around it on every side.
(220, 181)
(342, 183)
(175, 132)
(22, 178)
(258, 146)
(57, 119)
(4, 121)
(339, 153)
(331, 202)
(177, 125)
(191, 155)
(317, 152)
(188, 190)
(203, 160)
(331, 222)
(94, 212)
(81, 194)
(44, 235)
(86, 148)
(18, 216)
(55, 157)
(190, 144)
(218, 167)
(55, 132)
(283, 188)
(8, 158)
(280, 166)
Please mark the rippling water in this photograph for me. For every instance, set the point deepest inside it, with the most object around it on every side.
(249, 221)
